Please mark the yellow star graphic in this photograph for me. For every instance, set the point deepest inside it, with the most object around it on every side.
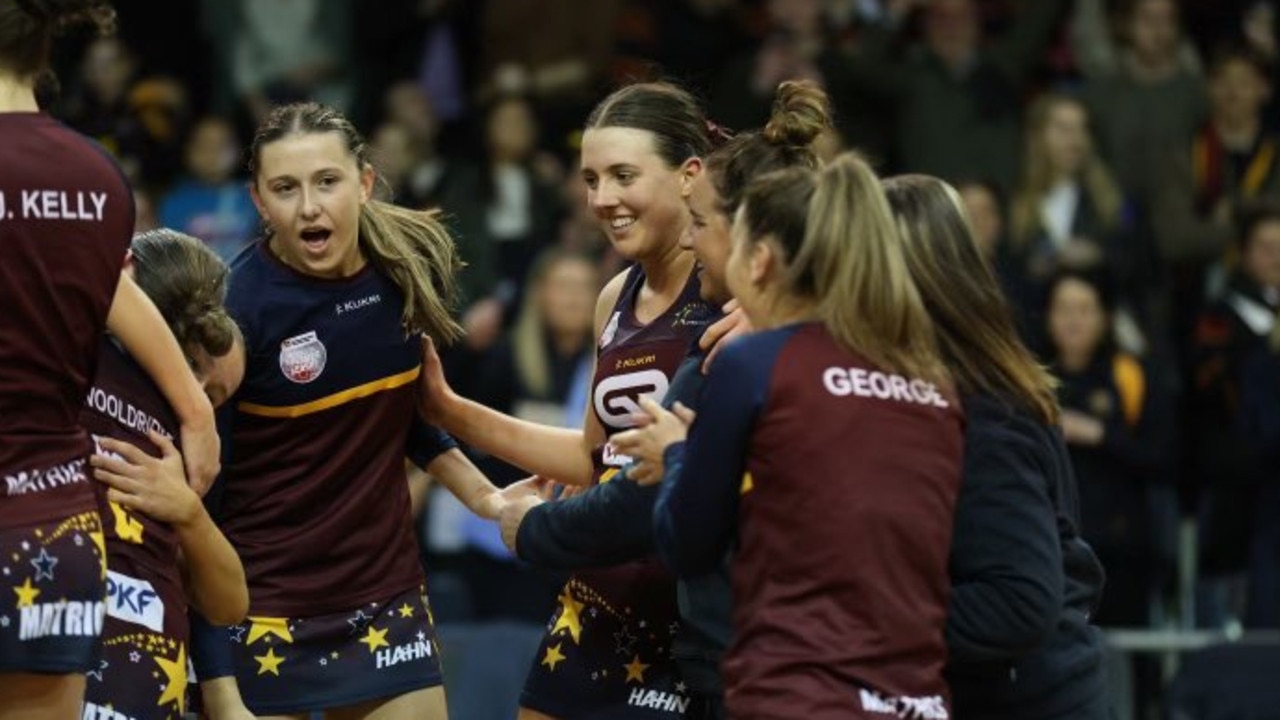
(635, 670)
(269, 663)
(553, 656)
(406, 611)
(569, 616)
(26, 594)
(264, 626)
(100, 541)
(748, 484)
(175, 675)
(128, 528)
(375, 639)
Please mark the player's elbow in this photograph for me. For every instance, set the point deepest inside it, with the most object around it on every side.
(227, 603)
(230, 609)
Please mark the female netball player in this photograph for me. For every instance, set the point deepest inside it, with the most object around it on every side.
(609, 643)
(1023, 581)
(66, 215)
(843, 526)
(162, 546)
(332, 302)
(612, 523)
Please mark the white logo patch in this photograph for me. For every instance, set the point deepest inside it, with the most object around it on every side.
(134, 601)
(302, 358)
(617, 397)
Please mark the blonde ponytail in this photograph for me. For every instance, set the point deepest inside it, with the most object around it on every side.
(416, 251)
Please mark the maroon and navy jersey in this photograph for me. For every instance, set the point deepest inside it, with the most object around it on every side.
(314, 494)
(614, 628)
(144, 584)
(635, 360)
(66, 217)
(840, 481)
(146, 630)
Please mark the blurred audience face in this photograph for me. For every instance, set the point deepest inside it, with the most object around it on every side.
(1077, 319)
(108, 65)
(796, 17)
(952, 30)
(1153, 29)
(1237, 91)
(982, 209)
(144, 217)
(408, 107)
(212, 151)
(568, 296)
(391, 151)
(1262, 256)
(512, 131)
(1066, 138)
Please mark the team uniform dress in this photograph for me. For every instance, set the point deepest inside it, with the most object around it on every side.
(840, 482)
(607, 651)
(66, 217)
(142, 670)
(315, 498)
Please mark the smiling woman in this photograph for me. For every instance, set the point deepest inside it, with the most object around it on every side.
(641, 154)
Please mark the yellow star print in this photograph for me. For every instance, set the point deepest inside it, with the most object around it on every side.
(553, 656)
(635, 670)
(569, 616)
(26, 594)
(175, 675)
(748, 484)
(128, 528)
(100, 541)
(375, 639)
(269, 663)
(264, 626)
(406, 611)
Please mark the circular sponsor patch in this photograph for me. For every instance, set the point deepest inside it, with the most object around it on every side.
(302, 358)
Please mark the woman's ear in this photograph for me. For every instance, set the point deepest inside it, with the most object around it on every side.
(689, 171)
(367, 177)
(761, 261)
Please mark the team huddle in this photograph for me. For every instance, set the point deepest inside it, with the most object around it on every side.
(819, 475)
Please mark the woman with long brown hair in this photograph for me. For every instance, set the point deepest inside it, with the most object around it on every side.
(1067, 210)
(1023, 582)
(842, 526)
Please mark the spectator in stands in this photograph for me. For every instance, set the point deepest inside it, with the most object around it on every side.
(1067, 211)
(1234, 422)
(1145, 92)
(503, 209)
(212, 202)
(1119, 431)
(958, 96)
(1231, 159)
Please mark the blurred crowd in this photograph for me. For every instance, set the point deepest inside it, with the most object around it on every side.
(1118, 159)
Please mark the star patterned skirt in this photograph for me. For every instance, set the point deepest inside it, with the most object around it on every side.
(607, 651)
(52, 590)
(296, 665)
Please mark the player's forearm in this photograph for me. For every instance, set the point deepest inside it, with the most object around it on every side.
(220, 699)
(140, 327)
(214, 573)
(552, 452)
(453, 470)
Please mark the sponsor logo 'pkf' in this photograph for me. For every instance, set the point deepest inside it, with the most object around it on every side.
(134, 601)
